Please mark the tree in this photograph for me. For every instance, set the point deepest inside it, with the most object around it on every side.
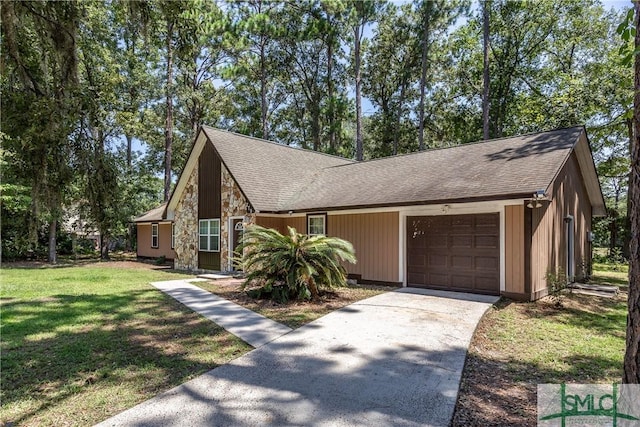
(436, 16)
(632, 355)
(486, 16)
(390, 67)
(39, 48)
(293, 265)
(362, 14)
(255, 65)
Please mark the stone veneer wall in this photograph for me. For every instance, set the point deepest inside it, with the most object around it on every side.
(233, 204)
(186, 226)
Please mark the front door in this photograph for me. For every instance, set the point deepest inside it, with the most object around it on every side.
(237, 229)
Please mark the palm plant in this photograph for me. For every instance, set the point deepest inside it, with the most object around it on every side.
(293, 265)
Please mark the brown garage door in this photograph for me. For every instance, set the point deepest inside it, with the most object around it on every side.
(454, 252)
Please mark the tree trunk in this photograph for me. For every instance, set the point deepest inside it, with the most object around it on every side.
(613, 227)
(331, 112)
(168, 128)
(359, 148)
(104, 246)
(53, 226)
(485, 72)
(632, 356)
(263, 91)
(129, 144)
(627, 220)
(315, 125)
(423, 75)
(313, 288)
(396, 133)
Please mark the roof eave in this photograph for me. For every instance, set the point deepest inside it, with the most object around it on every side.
(491, 198)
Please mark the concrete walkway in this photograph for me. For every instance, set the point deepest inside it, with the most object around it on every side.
(391, 360)
(249, 326)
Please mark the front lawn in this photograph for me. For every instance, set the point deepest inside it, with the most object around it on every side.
(519, 345)
(294, 313)
(82, 343)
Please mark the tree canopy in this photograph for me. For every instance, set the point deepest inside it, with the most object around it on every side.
(101, 100)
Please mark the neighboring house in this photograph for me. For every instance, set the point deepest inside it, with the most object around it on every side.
(155, 236)
(492, 217)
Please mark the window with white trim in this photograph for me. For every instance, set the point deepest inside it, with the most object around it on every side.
(209, 235)
(154, 235)
(316, 225)
(173, 235)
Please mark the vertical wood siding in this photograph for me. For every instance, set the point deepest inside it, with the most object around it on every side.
(209, 198)
(375, 239)
(281, 223)
(548, 244)
(164, 242)
(209, 181)
(277, 223)
(514, 249)
(373, 235)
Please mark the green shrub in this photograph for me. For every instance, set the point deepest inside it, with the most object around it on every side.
(292, 266)
(556, 283)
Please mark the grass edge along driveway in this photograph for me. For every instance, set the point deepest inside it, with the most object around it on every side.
(519, 345)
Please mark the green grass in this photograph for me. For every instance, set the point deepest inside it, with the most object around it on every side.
(82, 343)
(521, 345)
(611, 274)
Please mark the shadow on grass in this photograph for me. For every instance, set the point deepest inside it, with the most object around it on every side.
(497, 392)
(602, 315)
(56, 347)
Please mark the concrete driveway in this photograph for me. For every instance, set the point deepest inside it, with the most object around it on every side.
(391, 360)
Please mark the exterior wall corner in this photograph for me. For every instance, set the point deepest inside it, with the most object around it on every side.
(186, 226)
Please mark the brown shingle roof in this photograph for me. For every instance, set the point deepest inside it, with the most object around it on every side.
(268, 173)
(278, 178)
(155, 214)
(500, 168)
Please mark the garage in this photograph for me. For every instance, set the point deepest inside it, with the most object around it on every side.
(454, 252)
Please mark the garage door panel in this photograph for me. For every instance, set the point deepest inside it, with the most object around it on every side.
(463, 241)
(460, 281)
(437, 279)
(456, 252)
(437, 261)
(417, 260)
(487, 220)
(462, 262)
(437, 241)
(487, 242)
(486, 283)
(487, 263)
(458, 222)
(417, 278)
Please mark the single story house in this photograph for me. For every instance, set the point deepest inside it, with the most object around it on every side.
(154, 235)
(492, 217)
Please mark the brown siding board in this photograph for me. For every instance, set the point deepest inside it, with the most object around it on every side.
(374, 237)
(277, 223)
(209, 182)
(164, 242)
(209, 260)
(209, 198)
(548, 246)
(514, 249)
